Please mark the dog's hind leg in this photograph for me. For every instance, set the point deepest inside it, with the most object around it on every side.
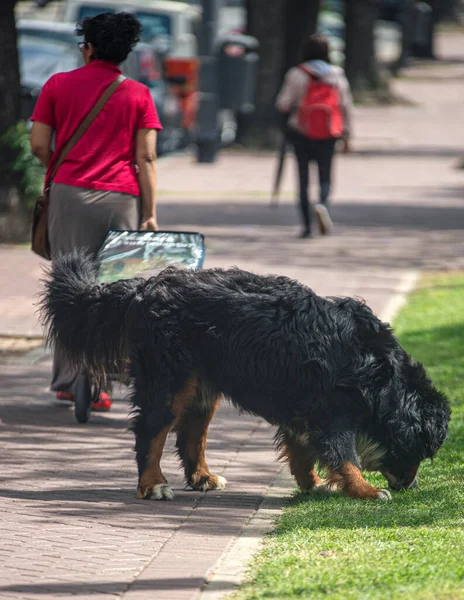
(151, 426)
(338, 452)
(294, 448)
(192, 431)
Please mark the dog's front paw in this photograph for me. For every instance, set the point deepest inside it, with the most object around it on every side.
(205, 482)
(384, 495)
(162, 491)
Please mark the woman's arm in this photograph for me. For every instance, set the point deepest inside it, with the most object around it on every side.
(346, 101)
(145, 158)
(41, 141)
(292, 91)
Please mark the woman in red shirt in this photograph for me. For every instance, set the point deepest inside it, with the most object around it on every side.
(108, 180)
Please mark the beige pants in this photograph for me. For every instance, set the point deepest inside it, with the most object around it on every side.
(80, 218)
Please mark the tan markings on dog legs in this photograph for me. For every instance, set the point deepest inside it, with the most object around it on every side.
(349, 480)
(153, 483)
(183, 399)
(301, 465)
(192, 444)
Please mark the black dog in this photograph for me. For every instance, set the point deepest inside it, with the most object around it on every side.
(326, 371)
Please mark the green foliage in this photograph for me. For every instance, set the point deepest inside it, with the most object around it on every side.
(411, 548)
(27, 168)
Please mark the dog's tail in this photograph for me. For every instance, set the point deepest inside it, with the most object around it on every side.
(85, 319)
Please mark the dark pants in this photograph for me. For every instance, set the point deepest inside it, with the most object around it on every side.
(321, 152)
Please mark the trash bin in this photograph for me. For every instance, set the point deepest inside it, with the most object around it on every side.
(238, 60)
(422, 45)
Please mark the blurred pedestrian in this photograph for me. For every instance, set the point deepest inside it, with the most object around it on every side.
(108, 179)
(316, 95)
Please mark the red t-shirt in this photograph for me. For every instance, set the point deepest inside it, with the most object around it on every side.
(104, 158)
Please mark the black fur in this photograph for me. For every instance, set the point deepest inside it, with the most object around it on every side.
(325, 368)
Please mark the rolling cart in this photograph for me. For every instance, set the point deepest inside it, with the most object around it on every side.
(127, 254)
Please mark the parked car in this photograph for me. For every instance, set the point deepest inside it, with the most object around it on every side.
(46, 48)
(172, 26)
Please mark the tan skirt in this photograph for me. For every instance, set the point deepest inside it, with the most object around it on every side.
(80, 218)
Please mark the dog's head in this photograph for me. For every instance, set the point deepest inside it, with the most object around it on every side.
(415, 425)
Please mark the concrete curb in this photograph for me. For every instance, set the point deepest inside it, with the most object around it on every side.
(229, 571)
(400, 295)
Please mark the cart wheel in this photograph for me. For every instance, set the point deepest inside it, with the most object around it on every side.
(83, 398)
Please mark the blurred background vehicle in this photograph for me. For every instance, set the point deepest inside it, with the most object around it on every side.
(171, 26)
(46, 48)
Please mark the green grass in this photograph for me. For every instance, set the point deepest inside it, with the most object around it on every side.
(410, 548)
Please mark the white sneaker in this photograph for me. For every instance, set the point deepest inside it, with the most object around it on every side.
(323, 217)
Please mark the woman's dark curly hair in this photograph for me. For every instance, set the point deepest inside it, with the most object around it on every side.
(112, 35)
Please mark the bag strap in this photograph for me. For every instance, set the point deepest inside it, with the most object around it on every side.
(305, 71)
(88, 120)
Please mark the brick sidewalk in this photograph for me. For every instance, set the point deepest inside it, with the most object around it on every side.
(70, 523)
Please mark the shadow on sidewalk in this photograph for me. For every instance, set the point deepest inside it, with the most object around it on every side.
(407, 152)
(107, 587)
(346, 214)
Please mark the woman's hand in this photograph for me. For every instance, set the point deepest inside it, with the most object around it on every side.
(150, 224)
(346, 147)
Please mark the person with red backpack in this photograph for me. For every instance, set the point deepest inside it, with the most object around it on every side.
(317, 97)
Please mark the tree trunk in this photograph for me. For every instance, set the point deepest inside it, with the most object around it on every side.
(9, 96)
(280, 27)
(9, 67)
(361, 66)
(266, 22)
(301, 22)
(449, 11)
(424, 43)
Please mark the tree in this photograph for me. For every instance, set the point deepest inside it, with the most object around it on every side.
(9, 91)
(265, 21)
(361, 66)
(280, 27)
(9, 67)
(449, 10)
(301, 21)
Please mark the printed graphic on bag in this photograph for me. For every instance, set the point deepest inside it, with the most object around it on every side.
(127, 254)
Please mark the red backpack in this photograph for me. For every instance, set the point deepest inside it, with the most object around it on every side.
(320, 114)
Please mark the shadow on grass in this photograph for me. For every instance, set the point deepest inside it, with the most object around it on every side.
(433, 508)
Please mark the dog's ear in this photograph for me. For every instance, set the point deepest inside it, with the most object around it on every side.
(416, 427)
(435, 417)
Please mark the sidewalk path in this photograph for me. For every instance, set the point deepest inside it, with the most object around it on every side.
(70, 523)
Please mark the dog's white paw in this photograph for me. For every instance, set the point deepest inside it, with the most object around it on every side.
(384, 495)
(204, 483)
(221, 483)
(162, 492)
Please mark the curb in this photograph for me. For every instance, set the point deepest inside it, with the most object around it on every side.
(229, 571)
(400, 295)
